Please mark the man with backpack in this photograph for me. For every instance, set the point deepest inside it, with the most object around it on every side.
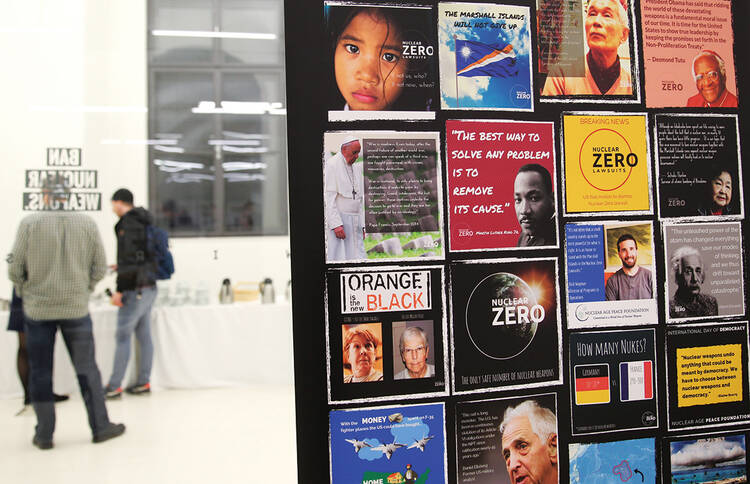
(137, 266)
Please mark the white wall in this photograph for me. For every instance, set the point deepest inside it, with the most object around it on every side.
(59, 56)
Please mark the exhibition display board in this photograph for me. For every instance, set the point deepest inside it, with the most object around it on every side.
(518, 240)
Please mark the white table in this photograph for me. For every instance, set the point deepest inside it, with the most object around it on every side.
(194, 347)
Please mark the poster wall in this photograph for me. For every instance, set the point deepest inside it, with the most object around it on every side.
(698, 166)
(707, 375)
(383, 61)
(382, 196)
(606, 166)
(682, 41)
(485, 57)
(489, 210)
(611, 274)
(386, 333)
(505, 324)
(705, 271)
(395, 444)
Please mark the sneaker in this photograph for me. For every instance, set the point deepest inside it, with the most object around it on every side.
(42, 444)
(110, 393)
(139, 389)
(110, 432)
(60, 398)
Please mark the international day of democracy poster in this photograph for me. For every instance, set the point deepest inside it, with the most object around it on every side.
(383, 445)
(485, 57)
(606, 167)
(688, 53)
(501, 185)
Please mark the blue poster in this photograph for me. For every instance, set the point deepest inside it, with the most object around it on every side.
(485, 57)
(388, 445)
(613, 462)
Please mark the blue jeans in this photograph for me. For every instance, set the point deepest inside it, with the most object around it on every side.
(79, 339)
(134, 315)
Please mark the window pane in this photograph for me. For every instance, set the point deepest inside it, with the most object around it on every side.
(183, 15)
(256, 17)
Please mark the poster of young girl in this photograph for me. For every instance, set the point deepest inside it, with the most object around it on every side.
(382, 62)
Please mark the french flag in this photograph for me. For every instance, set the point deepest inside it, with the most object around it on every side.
(478, 59)
(636, 381)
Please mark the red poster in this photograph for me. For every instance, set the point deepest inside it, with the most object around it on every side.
(501, 185)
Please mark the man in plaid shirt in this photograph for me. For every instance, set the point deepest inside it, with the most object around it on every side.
(57, 259)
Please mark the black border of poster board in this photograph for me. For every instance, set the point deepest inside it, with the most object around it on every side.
(306, 45)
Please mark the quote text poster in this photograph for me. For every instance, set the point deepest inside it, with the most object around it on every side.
(699, 168)
(613, 462)
(607, 167)
(382, 62)
(386, 333)
(613, 381)
(705, 274)
(706, 458)
(611, 274)
(506, 324)
(382, 196)
(586, 50)
(501, 185)
(485, 56)
(396, 444)
(681, 41)
(707, 375)
(485, 432)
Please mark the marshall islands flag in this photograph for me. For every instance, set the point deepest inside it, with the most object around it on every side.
(477, 59)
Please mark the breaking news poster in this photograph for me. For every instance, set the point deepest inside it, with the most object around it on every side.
(706, 458)
(611, 274)
(381, 63)
(383, 445)
(586, 51)
(386, 333)
(613, 462)
(506, 324)
(501, 185)
(487, 429)
(606, 164)
(382, 194)
(613, 381)
(707, 375)
(683, 40)
(698, 166)
(485, 57)
(705, 273)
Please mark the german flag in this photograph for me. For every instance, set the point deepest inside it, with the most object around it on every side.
(592, 384)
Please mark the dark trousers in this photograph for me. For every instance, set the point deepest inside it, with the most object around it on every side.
(79, 339)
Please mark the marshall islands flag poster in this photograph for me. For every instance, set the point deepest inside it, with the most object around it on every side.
(485, 60)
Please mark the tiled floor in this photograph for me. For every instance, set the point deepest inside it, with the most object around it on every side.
(241, 435)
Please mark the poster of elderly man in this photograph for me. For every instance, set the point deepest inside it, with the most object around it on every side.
(587, 50)
(705, 272)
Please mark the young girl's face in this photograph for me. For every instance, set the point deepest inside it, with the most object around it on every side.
(368, 64)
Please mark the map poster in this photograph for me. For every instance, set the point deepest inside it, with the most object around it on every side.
(611, 274)
(485, 56)
(705, 273)
(683, 40)
(501, 185)
(586, 49)
(382, 445)
(382, 62)
(613, 381)
(706, 458)
(506, 324)
(707, 375)
(698, 166)
(386, 333)
(382, 195)
(606, 164)
(613, 462)
(481, 426)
